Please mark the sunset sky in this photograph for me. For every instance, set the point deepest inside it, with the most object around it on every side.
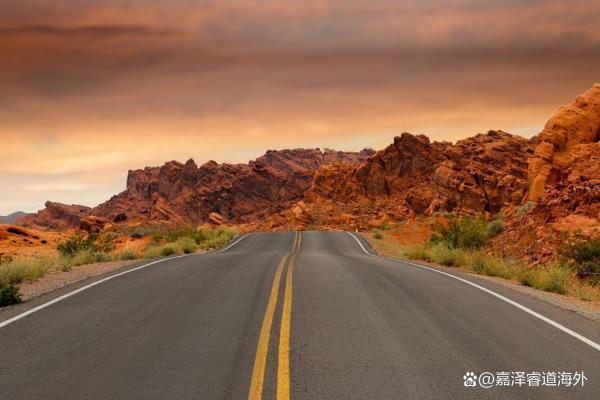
(91, 89)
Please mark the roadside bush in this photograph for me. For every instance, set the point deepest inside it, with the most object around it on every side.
(168, 249)
(584, 254)
(77, 243)
(529, 277)
(556, 279)
(187, 245)
(216, 238)
(82, 257)
(9, 295)
(25, 268)
(440, 253)
(465, 233)
(417, 252)
(377, 234)
(127, 255)
(165, 250)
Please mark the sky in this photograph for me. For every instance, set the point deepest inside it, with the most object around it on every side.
(91, 89)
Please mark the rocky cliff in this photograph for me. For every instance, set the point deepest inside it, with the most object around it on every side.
(564, 182)
(183, 193)
(567, 152)
(414, 176)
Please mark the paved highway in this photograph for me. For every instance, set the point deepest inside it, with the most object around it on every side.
(305, 315)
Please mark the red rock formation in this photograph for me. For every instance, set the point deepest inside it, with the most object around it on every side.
(414, 176)
(182, 193)
(567, 149)
(564, 182)
(55, 216)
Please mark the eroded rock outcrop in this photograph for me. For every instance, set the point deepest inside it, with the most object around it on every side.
(218, 193)
(567, 150)
(414, 176)
(564, 183)
(56, 216)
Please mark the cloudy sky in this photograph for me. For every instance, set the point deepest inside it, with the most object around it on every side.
(91, 89)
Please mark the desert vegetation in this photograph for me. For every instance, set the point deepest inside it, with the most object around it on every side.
(460, 242)
(80, 249)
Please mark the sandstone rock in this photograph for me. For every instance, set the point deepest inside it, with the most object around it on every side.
(216, 219)
(94, 224)
(239, 193)
(572, 132)
(414, 176)
(56, 216)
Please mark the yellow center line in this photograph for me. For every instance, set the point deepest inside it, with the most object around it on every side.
(283, 365)
(260, 360)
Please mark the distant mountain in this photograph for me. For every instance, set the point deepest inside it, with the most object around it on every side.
(11, 218)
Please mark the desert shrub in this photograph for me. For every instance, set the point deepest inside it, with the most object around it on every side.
(101, 257)
(465, 233)
(188, 231)
(385, 226)
(165, 250)
(137, 234)
(25, 268)
(555, 279)
(9, 294)
(216, 237)
(528, 276)
(82, 257)
(77, 243)
(584, 254)
(417, 252)
(127, 255)
(525, 208)
(496, 226)
(440, 253)
(168, 249)
(187, 245)
(377, 234)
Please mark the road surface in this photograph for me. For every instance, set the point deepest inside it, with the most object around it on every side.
(303, 315)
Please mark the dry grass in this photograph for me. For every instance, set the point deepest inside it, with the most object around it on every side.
(555, 278)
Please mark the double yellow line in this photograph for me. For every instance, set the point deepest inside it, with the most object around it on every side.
(283, 360)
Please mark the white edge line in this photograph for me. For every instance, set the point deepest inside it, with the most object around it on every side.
(232, 244)
(81, 289)
(506, 299)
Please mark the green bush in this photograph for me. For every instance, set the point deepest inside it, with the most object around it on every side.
(528, 277)
(187, 245)
(584, 254)
(525, 208)
(496, 226)
(127, 255)
(165, 250)
(9, 295)
(137, 234)
(377, 234)
(555, 279)
(77, 243)
(417, 252)
(440, 253)
(168, 249)
(465, 233)
(25, 268)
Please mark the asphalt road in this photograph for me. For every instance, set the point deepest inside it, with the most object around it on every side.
(289, 315)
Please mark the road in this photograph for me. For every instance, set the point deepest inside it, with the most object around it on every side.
(303, 315)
